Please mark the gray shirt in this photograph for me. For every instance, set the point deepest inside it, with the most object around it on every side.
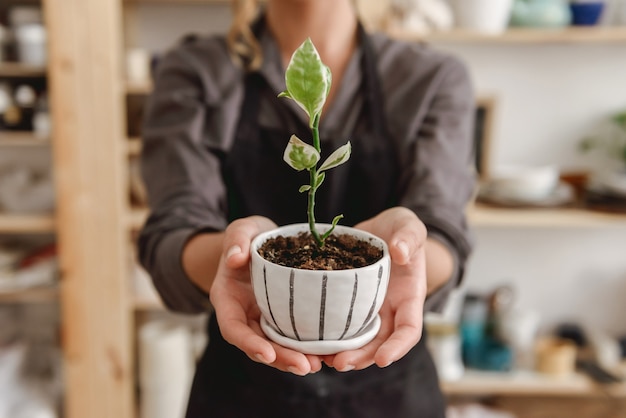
(191, 121)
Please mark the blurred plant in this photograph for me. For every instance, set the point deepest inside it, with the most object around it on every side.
(612, 141)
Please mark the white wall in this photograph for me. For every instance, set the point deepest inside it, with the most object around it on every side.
(549, 97)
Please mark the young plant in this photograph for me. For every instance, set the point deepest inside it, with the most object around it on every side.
(308, 82)
(612, 140)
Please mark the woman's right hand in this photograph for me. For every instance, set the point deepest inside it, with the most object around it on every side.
(236, 309)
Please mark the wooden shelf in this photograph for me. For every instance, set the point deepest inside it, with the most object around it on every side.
(138, 88)
(133, 147)
(21, 138)
(527, 384)
(136, 218)
(179, 1)
(607, 34)
(486, 216)
(26, 224)
(14, 69)
(33, 295)
(143, 304)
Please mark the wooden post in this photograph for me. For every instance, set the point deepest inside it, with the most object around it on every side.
(85, 44)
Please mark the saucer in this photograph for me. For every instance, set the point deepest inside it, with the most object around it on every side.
(326, 346)
(562, 194)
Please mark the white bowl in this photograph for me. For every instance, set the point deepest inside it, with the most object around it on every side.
(523, 183)
(319, 311)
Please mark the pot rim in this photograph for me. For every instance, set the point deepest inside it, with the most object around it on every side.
(341, 229)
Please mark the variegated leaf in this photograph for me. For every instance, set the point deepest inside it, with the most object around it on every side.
(300, 155)
(340, 156)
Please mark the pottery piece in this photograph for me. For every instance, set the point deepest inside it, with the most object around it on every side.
(586, 13)
(319, 311)
(541, 13)
(485, 16)
(523, 183)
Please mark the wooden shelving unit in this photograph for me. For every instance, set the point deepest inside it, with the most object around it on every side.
(17, 138)
(26, 224)
(179, 1)
(11, 69)
(143, 304)
(522, 36)
(476, 383)
(486, 216)
(133, 147)
(94, 221)
(31, 295)
(138, 88)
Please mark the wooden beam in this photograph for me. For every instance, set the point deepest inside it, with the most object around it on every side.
(85, 41)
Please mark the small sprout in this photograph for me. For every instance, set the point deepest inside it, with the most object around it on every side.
(308, 82)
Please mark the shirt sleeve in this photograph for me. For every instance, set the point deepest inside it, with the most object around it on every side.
(183, 179)
(439, 180)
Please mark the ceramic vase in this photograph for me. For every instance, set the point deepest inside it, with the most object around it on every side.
(319, 311)
(485, 16)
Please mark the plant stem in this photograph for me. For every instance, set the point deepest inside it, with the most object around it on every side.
(314, 185)
(311, 209)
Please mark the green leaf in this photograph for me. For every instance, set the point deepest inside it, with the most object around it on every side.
(319, 180)
(340, 156)
(308, 80)
(336, 219)
(620, 119)
(304, 188)
(300, 155)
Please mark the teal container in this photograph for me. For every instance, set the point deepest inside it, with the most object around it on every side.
(541, 13)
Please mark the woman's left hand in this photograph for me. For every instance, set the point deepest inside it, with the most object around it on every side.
(402, 311)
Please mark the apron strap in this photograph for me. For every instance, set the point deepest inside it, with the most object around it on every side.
(373, 89)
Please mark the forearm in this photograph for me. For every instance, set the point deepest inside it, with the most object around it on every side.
(201, 257)
(439, 264)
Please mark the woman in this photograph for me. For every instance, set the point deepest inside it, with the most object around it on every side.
(212, 161)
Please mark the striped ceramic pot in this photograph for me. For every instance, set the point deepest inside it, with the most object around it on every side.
(319, 311)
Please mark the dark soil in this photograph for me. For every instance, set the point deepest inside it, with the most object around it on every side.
(340, 252)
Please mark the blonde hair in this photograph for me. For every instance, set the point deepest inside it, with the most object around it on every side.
(244, 47)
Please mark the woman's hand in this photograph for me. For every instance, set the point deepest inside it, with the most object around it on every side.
(402, 311)
(235, 306)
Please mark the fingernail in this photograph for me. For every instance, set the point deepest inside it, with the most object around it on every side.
(347, 368)
(404, 248)
(295, 370)
(235, 249)
(262, 359)
(386, 365)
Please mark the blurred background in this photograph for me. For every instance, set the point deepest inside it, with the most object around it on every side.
(538, 327)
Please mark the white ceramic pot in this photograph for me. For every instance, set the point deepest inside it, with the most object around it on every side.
(31, 44)
(486, 16)
(319, 312)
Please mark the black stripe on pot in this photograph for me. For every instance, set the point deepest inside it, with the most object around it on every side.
(349, 319)
(371, 312)
(269, 307)
(292, 276)
(323, 306)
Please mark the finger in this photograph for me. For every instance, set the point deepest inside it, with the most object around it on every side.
(288, 360)
(315, 362)
(238, 237)
(408, 237)
(363, 357)
(406, 334)
(247, 340)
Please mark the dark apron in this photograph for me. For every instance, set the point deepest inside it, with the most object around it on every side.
(227, 383)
